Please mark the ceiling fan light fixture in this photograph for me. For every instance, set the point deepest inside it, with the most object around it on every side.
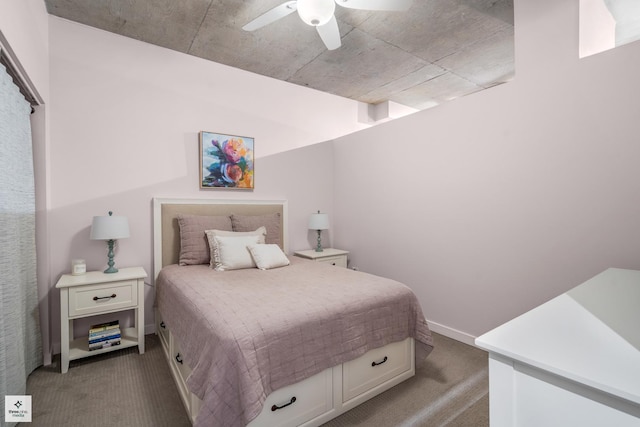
(316, 12)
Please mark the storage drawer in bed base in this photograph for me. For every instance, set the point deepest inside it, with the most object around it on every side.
(326, 395)
(179, 369)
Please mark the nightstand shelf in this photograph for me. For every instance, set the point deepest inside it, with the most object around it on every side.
(79, 347)
(98, 293)
(332, 256)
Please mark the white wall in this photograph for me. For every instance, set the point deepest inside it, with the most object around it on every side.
(125, 118)
(493, 203)
(597, 28)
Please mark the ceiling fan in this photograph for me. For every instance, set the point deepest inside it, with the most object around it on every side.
(319, 14)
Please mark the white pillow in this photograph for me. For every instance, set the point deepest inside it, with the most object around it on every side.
(260, 231)
(231, 253)
(211, 234)
(268, 256)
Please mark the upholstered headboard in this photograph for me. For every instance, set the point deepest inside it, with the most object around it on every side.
(166, 232)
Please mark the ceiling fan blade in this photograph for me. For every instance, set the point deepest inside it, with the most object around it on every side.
(330, 34)
(273, 15)
(376, 4)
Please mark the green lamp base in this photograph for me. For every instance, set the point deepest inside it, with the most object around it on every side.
(319, 246)
(111, 268)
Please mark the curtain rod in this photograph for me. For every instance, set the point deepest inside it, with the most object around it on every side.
(9, 59)
(24, 90)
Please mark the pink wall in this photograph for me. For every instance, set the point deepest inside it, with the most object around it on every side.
(493, 203)
(24, 35)
(125, 117)
(486, 206)
(23, 23)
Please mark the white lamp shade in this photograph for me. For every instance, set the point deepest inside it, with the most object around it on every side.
(316, 12)
(109, 228)
(319, 221)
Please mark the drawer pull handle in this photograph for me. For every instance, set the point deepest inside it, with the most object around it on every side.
(179, 358)
(333, 263)
(163, 326)
(276, 407)
(109, 297)
(379, 363)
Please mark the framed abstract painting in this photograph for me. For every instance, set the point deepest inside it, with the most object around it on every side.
(226, 161)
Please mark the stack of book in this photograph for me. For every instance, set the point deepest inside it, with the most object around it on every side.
(104, 335)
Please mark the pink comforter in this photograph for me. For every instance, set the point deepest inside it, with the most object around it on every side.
(249, 332)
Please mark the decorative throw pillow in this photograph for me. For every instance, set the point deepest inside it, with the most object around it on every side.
(231, 252)
(216, 262)
(268, 256)
(194, 247)
(260, 231)
(250, 222)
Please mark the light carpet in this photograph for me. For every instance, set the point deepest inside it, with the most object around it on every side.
(123, 388)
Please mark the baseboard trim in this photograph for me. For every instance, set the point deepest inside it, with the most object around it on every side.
(55, 348)
(452, 333)
(150, 329)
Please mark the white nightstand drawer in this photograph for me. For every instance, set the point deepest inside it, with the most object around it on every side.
(94, 299)
(332, 256)
(338, 261)
(375, 367)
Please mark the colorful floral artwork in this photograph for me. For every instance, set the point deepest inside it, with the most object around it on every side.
(226, 161)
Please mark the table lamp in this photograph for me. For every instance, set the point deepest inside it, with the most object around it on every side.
(319, 221)
(109, 228)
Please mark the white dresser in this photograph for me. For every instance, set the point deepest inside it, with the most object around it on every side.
(573, 361)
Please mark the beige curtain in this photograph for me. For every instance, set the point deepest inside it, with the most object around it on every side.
(20, 338)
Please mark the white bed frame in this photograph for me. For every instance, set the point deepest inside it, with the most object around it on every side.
(310, 402)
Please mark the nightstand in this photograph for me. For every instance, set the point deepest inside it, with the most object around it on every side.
(331, 256)
(96, 293)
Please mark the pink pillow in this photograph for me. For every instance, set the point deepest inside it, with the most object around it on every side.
(251, 222)
(194, 246)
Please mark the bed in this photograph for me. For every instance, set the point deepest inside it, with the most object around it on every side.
(292, 343)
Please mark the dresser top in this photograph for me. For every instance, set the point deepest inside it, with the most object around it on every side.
(590, 334)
